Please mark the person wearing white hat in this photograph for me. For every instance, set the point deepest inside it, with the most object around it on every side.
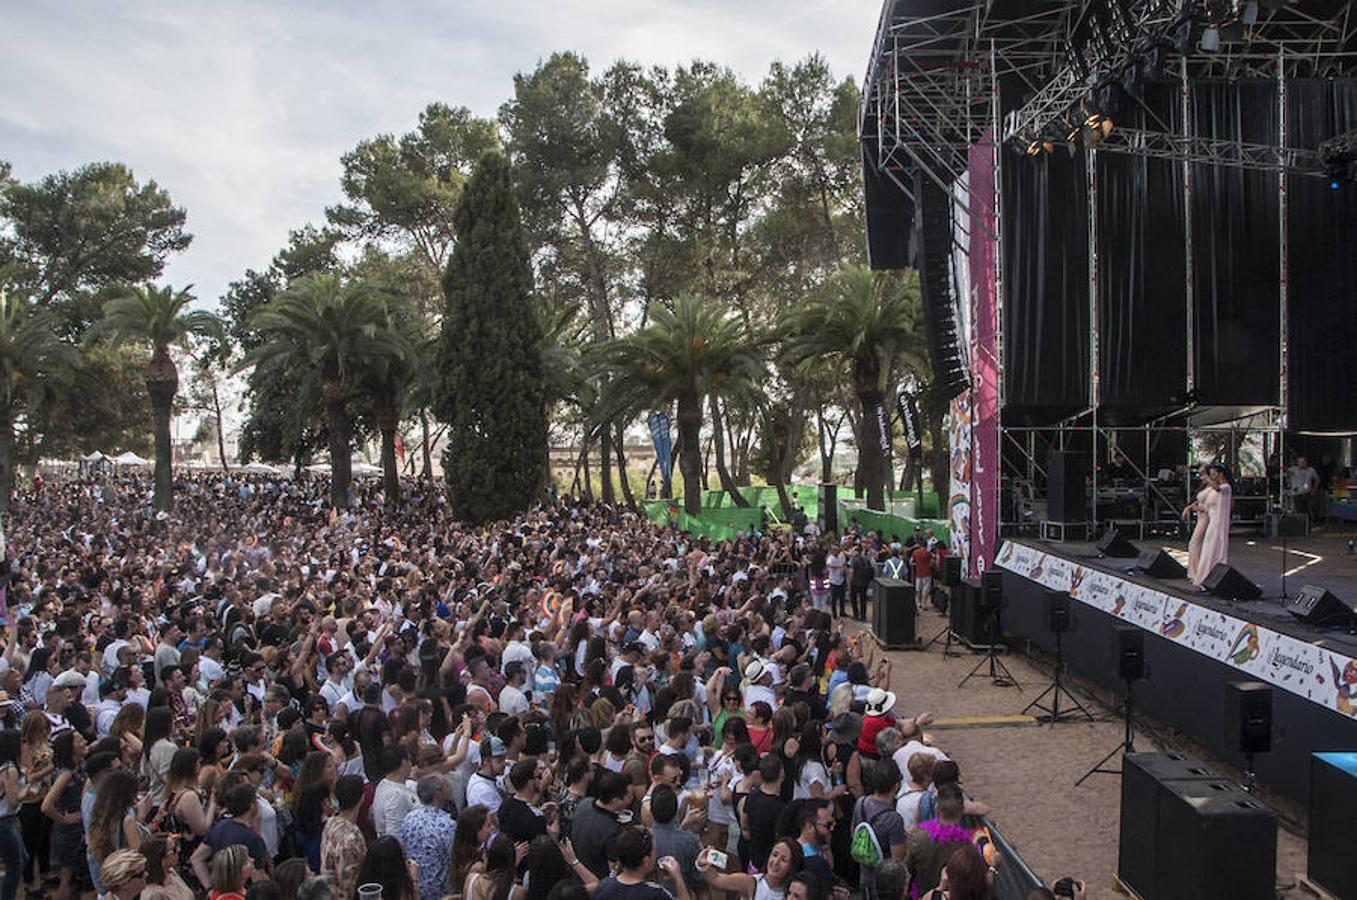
(758, 685)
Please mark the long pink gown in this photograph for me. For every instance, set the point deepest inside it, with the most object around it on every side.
(1210, 542)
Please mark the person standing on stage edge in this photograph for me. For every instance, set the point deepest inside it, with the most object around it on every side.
(1210, 543)
(1303, 481)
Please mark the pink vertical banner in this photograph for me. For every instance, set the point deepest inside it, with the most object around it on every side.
(984, 356)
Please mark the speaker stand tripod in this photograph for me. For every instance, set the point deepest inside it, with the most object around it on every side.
(1127, 744)
(945, 635)
(999, 674)
(1054, 713)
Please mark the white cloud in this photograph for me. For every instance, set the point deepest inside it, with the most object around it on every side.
(241, 109)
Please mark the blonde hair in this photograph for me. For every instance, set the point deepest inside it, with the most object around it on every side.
(121, 867)
(228, 869)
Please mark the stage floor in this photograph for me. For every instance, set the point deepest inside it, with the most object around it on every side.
(1321, 560)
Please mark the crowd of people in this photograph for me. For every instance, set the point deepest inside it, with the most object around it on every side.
(258, 696)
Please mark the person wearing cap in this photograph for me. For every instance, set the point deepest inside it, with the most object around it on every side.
(483, 786)
(113, 694)
(758, 685)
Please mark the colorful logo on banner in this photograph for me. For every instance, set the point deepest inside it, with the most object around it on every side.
(664, 447)
(1301, 668)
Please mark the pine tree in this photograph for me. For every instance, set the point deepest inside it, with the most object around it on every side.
(493, 389)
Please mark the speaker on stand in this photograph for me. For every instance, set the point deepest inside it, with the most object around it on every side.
(1128, 651)
(992, 601)
(1248, 722)
(1059, 620)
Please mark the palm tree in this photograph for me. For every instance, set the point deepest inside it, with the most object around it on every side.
(31, 358)
(160, 319)
(869, 322)
(333, 329)
(388, 378)
(686, 354)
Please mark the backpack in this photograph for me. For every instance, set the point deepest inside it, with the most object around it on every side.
(865, 848)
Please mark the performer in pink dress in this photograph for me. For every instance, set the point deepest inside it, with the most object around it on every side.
(1210, 543)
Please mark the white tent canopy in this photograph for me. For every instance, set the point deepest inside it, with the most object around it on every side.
(130, 459)
(362, 469)
(357, 467)
(259, 468)
(93, 457)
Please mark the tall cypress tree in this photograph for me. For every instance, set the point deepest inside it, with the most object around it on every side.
(493, 392)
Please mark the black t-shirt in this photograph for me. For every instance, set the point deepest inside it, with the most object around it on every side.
(761, 811)
(518, 822)
(612, 889)
(812, 699)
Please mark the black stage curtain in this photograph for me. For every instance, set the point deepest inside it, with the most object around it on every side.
(1046, 346)
(1321, 266)
(1235, 251)
(1142, 272)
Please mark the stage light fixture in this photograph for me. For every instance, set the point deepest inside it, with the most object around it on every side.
(1248, 13)
(1095, 128)
(1210, 40)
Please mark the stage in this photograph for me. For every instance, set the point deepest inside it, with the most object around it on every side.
(1197, 643)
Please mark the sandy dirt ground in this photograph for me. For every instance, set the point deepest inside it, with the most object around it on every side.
(1027, 773)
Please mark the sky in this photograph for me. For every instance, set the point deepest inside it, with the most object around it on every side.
(242, 109)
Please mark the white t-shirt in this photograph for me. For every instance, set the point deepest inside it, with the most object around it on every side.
(753, 693)
(903, 755)
(512, 700)
(834, 562)
(390, 802)
(718, 812)
(210, 670)
(811, 773)
(483, 790)
(519, 651)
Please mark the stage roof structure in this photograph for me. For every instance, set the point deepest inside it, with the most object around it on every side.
(945, 73)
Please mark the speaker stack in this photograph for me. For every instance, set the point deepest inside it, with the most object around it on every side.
(893, 613)
(1333, 797)
(1066, 496)
(1228, 583)
(1188, 834)
(1316, 606)
(935, 254)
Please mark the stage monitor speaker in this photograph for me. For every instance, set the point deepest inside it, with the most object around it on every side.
(893, 613)
(1214, 840)
(1066, 491)
(829, 506)
(1333, 797)
(889, 216)
(1316, 606)
(1142, 777)
(951, 571)
(934, 263)
(1128, 651)
(1113, 544)
(1248, 716)
(1158, 564)
(1228, 583)
(1057, 605)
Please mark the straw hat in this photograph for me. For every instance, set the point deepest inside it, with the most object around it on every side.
(880, 702)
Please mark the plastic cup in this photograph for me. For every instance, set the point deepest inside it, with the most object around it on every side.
(370, 891)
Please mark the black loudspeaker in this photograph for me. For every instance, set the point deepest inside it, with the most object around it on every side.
(1113, 544)
(1142, 776)
(829, 506)
(1316, 606)
(1214, 840)
(991, 591)
(1066, 491)
(893, 613)
(1228, 583)
(951, 571)
(935, 283)
(1128, 651)
(1333, 797)
(889, 214)
(1248, 716)
(1057, 605)
(1158, 564)
(969, 617)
